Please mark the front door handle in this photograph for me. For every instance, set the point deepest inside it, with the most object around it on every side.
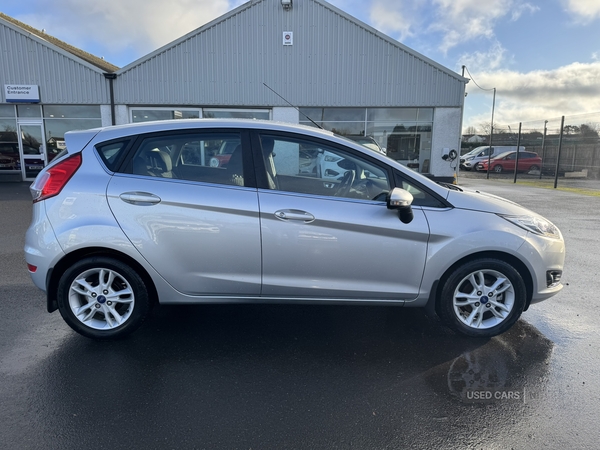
(294, 214)
(140, 198)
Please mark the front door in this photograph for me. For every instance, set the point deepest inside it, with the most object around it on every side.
(32, 146)
(327, 233)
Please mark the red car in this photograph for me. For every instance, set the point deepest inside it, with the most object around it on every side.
(528, 161)
(221, 158)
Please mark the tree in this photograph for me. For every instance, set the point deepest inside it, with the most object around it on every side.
(471, 130)
(589, 130)
(571, 129)
(485, 127)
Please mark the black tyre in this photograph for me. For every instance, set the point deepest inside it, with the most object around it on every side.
(102, 298)
(534, 168)
(482, 298)
(498, 168)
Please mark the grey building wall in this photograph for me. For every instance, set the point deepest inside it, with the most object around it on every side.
(445, 134)
(62, 78)
(335, 60)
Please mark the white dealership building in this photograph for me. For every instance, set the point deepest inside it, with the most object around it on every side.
(299, 61)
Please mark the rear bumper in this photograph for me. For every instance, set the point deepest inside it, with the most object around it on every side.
(41, 246)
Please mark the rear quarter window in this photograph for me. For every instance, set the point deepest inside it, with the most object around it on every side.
(111, 153)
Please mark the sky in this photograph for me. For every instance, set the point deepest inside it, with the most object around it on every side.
(542, 56)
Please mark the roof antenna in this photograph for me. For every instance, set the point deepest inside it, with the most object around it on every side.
(313, 122)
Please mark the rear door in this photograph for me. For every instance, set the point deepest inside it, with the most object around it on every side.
(197, 225)
(509, 161)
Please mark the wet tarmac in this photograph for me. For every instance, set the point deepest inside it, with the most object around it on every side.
(291, 376)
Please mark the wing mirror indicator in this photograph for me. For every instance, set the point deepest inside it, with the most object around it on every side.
(401, 200)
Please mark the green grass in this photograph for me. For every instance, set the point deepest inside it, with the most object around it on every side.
(548, 184)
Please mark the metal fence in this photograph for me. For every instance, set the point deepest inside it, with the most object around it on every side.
(569, 146)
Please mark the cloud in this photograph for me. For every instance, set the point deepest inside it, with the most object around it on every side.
(140, 25)
(401, 18)
(518, 11)
(495, 58)
(452, 21)
(585, 11)
(464, 20)
(543, 94)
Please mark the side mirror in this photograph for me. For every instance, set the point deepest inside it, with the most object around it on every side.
(401, 200)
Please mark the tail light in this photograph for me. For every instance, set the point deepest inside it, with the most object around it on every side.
(54, 179)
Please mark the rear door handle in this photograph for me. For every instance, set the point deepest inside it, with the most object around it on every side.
(140, 198)
(294, 214)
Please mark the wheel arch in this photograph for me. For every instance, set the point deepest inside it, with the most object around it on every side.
(70, 258)
(508, 258)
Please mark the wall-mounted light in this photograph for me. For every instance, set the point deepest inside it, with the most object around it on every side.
(287, 4)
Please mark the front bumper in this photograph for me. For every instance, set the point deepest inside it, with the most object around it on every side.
(544, 255)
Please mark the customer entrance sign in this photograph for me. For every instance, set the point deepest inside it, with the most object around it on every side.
(22, 93)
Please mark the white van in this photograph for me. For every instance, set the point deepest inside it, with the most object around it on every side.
(469, 160)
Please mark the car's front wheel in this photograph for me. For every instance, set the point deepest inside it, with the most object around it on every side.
(102, 298)
(498, 168)
(482, 298)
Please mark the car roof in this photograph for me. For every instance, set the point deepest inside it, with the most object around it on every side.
(77, 140)
(131, 129)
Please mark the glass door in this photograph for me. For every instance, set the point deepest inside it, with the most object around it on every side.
(33, 149)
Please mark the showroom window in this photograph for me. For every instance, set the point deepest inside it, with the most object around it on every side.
(212, 113)
(151, 114)
(9, 143)
(58, 119)
(404, 133)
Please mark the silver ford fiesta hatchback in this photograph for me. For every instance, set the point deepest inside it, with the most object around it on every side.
(133, 215)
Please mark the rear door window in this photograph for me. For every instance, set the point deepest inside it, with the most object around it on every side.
(209, 157)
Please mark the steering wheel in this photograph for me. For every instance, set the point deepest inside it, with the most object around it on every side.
(345, 184)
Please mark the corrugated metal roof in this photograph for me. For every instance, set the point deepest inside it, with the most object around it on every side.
(63, 77)
(88, 57)
(335, 60)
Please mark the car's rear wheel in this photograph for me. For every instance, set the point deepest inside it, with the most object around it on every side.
(534, 168)
(498, 168)
(482, 298)
(102, 298)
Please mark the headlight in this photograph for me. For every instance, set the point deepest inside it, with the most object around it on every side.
(469, 158)
(535, 224)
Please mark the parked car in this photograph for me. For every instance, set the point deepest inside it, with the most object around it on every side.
(121, 222)
(528, 161)
(221, 157)
(469, 160)
(9, 156)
